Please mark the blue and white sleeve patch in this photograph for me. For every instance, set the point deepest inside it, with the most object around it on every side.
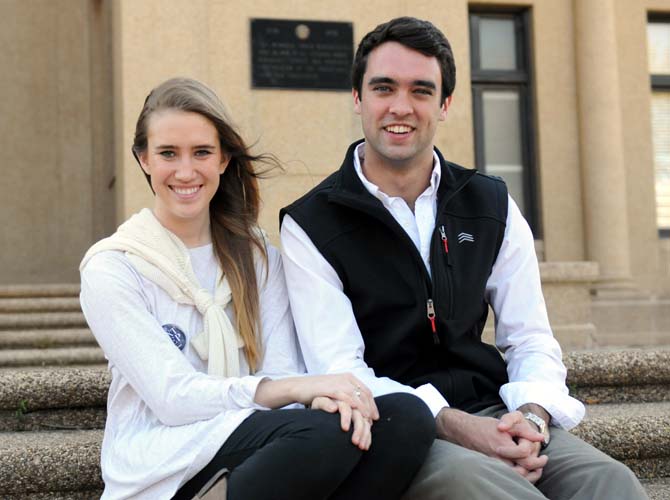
(176, 334)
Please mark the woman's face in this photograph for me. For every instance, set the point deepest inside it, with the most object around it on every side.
(184, 159)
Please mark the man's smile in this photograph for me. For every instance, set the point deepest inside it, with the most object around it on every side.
(398, 129)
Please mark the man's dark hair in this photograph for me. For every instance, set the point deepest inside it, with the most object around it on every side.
(413, 33)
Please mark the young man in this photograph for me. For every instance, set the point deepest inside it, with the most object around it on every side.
(391, 265)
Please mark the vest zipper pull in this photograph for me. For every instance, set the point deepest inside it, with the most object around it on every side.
(431, 318)
(443, 235)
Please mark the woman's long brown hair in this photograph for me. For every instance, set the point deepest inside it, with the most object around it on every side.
(233, 210)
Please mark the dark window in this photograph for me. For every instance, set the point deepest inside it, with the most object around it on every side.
(502, 104)
(658, 56)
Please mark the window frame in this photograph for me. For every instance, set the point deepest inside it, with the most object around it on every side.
(659, 82)
(520, 80)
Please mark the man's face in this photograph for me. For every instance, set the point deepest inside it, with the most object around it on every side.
(400, 105)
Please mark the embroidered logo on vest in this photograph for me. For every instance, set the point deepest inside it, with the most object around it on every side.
(177, 336)
(465, 237)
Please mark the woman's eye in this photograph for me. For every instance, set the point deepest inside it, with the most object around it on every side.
(203, 152)
(167, 154)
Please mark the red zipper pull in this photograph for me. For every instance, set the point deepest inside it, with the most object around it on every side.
(443, 235)
(431, 317)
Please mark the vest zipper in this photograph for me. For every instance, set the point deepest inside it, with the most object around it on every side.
(447, 273)
(431, 317)
(445, 243)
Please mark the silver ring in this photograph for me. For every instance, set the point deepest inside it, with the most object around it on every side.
(357, 392)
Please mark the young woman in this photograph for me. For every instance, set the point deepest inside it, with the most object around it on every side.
(188, 302)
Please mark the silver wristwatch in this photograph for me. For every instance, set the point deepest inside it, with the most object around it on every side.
(542, 425)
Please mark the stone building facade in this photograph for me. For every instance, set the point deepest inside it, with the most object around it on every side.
(566, 99)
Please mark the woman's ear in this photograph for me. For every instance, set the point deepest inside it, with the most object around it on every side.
(225, 160)
(142, 159)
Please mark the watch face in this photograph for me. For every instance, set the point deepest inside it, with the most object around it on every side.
(541, 425)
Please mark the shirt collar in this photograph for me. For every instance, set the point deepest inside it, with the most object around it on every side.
(374, 190)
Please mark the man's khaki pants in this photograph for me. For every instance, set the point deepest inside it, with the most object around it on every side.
(575, 471)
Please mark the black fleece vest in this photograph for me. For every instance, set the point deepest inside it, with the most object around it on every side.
(392, 294)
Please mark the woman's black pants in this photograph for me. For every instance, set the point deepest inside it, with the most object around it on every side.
(304, 454)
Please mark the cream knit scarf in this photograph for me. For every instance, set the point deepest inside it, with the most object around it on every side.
(161, 257)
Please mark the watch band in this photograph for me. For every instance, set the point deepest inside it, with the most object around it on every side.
(541, 424)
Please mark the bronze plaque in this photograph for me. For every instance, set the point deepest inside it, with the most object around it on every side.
(314, 55)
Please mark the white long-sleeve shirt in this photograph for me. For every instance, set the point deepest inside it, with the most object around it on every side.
(331, 340)
(166, 417)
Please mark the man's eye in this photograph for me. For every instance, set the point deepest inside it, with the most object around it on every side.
(167, 154)
(381, 88)
(424, 91)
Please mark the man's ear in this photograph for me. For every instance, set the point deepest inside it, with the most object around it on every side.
(357, 101)
(445, 107)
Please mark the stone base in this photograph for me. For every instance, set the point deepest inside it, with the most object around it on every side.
(641, 322)
(567, 292)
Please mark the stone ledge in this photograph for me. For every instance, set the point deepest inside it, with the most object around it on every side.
(632, 322)
(647, 393)
(17, 339)
(657, 489)
(618, 367)
(39, 304)
(48, 465)
(647, 430)
(63, 495)
(569, 271)
(44, 290)
(52, 356)
(14, 321)
(59, 461)
(52, 419)
(54, 387)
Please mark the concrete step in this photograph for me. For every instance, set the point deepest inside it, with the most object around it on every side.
(53, 398)
(637, 434)
(617, 376)
(657, 489)
(53, 387)
(39, 304)
(39, 339)
(41, 290)
(65, 464)
(41, 320)
(52, 356)
(51, 461)
(58, 495)
(18, 420)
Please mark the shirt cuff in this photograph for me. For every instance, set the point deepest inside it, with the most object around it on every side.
(565, 411)
(242, 392)
(432, 397)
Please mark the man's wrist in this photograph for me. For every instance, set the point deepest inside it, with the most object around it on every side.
(448, 422)
(537, 410)
(538, 417)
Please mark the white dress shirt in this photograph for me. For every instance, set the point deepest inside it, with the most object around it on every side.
(331, 340)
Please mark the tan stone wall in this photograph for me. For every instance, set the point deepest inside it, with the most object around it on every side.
(55, 133)
(308, 130)
(71, 116)
(557, 127)
(662, 279)
(637, 146)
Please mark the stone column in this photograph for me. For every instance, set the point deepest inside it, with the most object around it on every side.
(601, 149)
